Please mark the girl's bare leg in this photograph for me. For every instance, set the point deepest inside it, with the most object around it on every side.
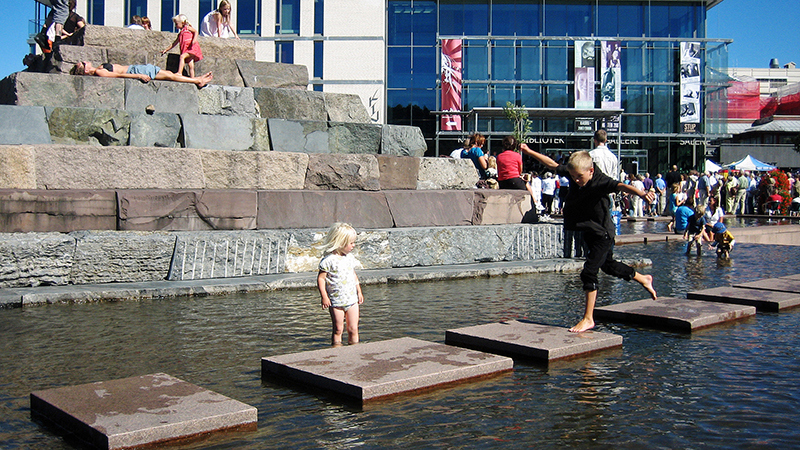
(337, 325)
(182, 63)
(352, 324)
(191, 68)
(166, 75)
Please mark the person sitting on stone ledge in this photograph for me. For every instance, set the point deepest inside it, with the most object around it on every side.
(143, 72)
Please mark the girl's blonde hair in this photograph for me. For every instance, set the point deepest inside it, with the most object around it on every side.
(181, 18)
(339, 235)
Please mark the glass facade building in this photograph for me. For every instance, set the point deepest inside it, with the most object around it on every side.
(522, 51)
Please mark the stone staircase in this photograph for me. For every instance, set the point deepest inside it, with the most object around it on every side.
(254, 151)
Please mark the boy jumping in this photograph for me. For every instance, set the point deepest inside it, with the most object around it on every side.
(587, 209)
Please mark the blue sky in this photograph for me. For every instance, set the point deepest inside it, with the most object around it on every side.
(761, 30)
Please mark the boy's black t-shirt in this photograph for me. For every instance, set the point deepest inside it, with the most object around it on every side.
(587, 208)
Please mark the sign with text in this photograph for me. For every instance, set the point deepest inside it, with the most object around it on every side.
(584, 74)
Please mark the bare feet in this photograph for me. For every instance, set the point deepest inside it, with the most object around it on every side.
(583, 325)
(205, 79)
(647, 283)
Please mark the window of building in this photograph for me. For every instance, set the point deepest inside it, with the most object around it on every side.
(515, 18)
(248, 13)
(568, 18)
(284, 52)
(318, 63)
(464, 17)
(475, 61)
(319, 16)
(135, 8)
(288, 15)
(95, 12)
(620, 19)
(169, 9)
(503, 60)
(677, 19)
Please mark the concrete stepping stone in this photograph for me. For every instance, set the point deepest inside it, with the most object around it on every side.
(674, 313)
(783, 284)
(531, 340)
(380, 369)
(763, 300)
(139, 411)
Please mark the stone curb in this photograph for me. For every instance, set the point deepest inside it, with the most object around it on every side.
(36, 296)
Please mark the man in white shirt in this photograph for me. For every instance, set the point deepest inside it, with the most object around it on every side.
(606, 161)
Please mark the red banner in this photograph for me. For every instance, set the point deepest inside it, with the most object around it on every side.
(451, 84)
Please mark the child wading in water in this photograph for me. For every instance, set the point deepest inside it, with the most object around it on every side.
(586, 209)
(338, 283)
(189, 47)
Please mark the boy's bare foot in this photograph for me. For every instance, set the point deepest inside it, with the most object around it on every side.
(648, 284)
(205, 79)
(583, 325)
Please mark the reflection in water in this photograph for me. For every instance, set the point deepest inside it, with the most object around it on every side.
(727, 386)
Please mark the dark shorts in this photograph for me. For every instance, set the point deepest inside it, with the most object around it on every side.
(145, 69)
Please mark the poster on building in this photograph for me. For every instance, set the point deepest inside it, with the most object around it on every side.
(610, 82)
(690, 87)
(451, 84)
(584, 74)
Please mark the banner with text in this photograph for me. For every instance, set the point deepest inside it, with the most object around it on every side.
(451, 84)
(584, 74)
(690, 87)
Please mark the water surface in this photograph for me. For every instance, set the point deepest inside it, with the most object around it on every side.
(730, 386)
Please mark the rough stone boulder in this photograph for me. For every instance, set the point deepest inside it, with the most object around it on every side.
(446, 173)
(150, 210)
(343, 172)
(254, 170)
(23, 125)
(41, 89)
(153, 42)
(401, 140)
(262, 74)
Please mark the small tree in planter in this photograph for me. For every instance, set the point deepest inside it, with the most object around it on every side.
(518, 116)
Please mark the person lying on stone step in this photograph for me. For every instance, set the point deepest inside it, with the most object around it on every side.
(143, 72)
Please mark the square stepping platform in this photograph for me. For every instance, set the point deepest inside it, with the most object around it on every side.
(782, 284)
(380, 369)
(139, 411)
(674, 313)
(763, 300)
(529, 340)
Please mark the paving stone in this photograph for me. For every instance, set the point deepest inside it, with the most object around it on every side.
(138, 411)
(23, 125)
(379, 369)
(763, 300)
(530, 340)
(783, 284)
(674, 313)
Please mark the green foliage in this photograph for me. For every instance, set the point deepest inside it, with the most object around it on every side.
(518, 116)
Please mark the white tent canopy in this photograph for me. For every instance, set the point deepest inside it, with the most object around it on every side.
(712, 167)
(750, 163)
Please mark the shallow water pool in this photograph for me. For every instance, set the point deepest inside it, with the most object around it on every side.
(730, 386)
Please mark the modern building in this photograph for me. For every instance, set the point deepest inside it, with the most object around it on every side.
(649, 58)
